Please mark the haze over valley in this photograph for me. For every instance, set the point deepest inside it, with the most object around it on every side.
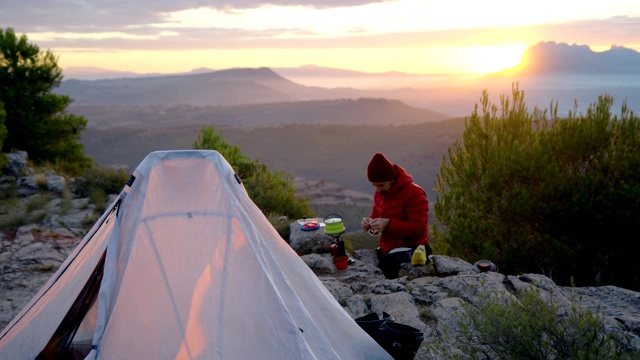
(329, 133)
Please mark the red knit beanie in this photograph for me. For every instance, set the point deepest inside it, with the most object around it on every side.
(380, 169)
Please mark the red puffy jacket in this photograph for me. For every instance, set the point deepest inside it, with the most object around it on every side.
(407, 208)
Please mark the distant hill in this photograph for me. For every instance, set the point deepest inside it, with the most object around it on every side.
(96, 73)
(229, 87)
(570, 74)
(561, 58)
(239, 86)
(234, 97)
(327, 112)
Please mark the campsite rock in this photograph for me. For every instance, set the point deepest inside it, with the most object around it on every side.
(29, 185)
(308, 242)
(40, 254)
(414, 272)
(446, 266)
(319, 264)
(55, 183)
(367, 256)
(17, 164)
(32, 253)
(78, 220)
(433, 303)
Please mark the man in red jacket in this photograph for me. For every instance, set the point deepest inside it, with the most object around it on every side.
(399, 215)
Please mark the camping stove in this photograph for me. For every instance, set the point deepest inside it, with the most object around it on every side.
(337, 248)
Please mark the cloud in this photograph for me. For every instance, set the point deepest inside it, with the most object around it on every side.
(94, 16)
(607, 32)
(618, 30)
(117, 25)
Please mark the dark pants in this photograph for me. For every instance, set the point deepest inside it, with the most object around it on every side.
(390, 263)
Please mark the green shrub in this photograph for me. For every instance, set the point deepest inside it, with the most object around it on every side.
(281, 224)
(8, 191)
(538, 193)
(37, 216)
(272, 191)
(42, 268)
(427, 315)
(13, 220)
(104, 180)
(67, 202)
(439, 244)
(10, 212)
(3, 134)
(531, 328)
(99, 198)
(38, 201)
(90, 219)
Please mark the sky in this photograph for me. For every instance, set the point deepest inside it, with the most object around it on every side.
(412, 36)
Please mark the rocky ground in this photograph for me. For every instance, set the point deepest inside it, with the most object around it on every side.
(428, 298)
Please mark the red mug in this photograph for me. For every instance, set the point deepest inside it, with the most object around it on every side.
(341, 262)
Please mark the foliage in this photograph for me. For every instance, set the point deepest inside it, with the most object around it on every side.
(531, 328)
(67, 202)
(281, 224)
(538, 193)
(13, 214)
(7, 192)
(13, 220)
(96, 183)
(38, 201)
(3, 133)
(272, 191)
(440, 245)
(36, 120)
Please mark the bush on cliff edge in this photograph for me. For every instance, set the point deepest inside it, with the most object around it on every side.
(537, 193)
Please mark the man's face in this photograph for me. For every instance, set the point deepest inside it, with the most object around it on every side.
(382, 186)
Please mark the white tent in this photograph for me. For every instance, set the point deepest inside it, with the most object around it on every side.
(183, 265)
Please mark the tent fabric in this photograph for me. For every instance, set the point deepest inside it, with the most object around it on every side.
(193, 270)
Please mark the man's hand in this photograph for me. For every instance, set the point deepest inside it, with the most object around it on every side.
(366, 223)
(378, 225)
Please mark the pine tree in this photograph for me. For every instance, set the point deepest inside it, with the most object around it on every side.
(36, 119)
(538, 193)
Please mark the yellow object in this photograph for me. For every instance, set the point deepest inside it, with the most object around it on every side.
(419, 256)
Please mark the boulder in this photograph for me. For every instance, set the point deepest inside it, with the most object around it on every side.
(17, 164)
(308, 242)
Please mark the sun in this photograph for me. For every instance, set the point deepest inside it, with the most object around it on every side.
(492, 58)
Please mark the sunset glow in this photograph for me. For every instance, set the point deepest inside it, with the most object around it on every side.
(487, 59)
(414, 36)
(470, 60)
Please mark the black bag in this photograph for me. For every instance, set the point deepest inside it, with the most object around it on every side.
(401, 341)
(371, 324)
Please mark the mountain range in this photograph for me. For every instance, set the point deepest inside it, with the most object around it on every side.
(328, 133)
(554, 58)
(542, 58)
(548, 72)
